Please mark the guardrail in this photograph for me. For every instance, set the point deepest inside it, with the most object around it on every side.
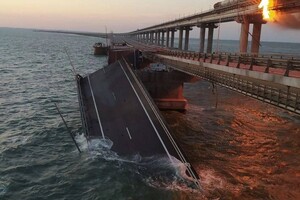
(279, 95)
(286, 62)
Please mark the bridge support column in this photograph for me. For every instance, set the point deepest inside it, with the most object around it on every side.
(150, 37)
(172, 37)
(180, 38)
(153, 37)
(257, 22)
(256, 38)
(147, 38)
(168, 38)
(156, 35)
(210, 38)
(202, 38)
(244, 36)
(162, 38)
(187, 38)
(158, 38)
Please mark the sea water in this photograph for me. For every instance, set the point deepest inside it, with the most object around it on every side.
(244, 149)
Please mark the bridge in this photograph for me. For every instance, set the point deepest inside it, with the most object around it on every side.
(274, 79)
(244, 12)
(119, 103)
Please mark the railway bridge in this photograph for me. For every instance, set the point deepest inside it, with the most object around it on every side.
(119, 103)
(244, 12)
(274, 79)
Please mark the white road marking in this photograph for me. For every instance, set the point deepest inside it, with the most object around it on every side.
(156, 131)
(165, 128)
(128, 133)
(96, 108)
(114, 96)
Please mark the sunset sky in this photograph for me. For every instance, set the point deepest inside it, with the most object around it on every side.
(118, 16)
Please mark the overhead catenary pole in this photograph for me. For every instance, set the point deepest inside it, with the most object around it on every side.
(71, 134)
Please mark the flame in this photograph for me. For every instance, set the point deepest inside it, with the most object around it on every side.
(265, 5)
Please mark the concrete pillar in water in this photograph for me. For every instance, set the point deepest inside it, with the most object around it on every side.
(256, 38)
(147, 37)
(244, 36)
(162, 38)
(210, 38)
(172, 37)
(168, 38)
(150, 37)
(152, 41)
(202, 38)
(180, 38)
(158, 38)
(156, 33)
(187, 38)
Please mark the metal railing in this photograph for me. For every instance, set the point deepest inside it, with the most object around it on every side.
(282, 96)
(286, 62)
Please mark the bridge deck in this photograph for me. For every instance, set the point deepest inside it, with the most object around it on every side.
(115, 106)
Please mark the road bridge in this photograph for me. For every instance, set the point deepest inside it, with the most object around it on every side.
(115, 107)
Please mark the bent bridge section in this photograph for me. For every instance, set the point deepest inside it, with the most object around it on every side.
(115, 106)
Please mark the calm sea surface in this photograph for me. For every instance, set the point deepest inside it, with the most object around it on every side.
(243, 149)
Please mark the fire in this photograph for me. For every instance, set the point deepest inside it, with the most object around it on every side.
(265, 5)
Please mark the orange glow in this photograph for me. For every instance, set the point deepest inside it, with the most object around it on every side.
(267, 14)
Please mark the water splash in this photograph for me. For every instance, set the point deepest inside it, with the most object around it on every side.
(81, 141)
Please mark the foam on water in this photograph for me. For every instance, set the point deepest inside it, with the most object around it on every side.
(156, 171)
(81, 141)
(3, 187)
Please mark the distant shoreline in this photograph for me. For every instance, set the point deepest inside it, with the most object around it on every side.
(101, 35)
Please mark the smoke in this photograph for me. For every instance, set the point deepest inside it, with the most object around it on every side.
(287, 20)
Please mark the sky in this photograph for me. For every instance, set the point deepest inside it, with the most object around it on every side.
(119, 16)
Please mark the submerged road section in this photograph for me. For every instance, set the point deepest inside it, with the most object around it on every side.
(114, 105)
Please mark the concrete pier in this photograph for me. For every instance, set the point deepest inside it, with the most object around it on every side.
(256, 38)
(158, 38)
(168, 38)
(151, 37)
(210, 38)
(187, 38)
(172, 37)
(162, 38)
(244, 36)
(202, 38)
(147, 37)
(180, 38)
